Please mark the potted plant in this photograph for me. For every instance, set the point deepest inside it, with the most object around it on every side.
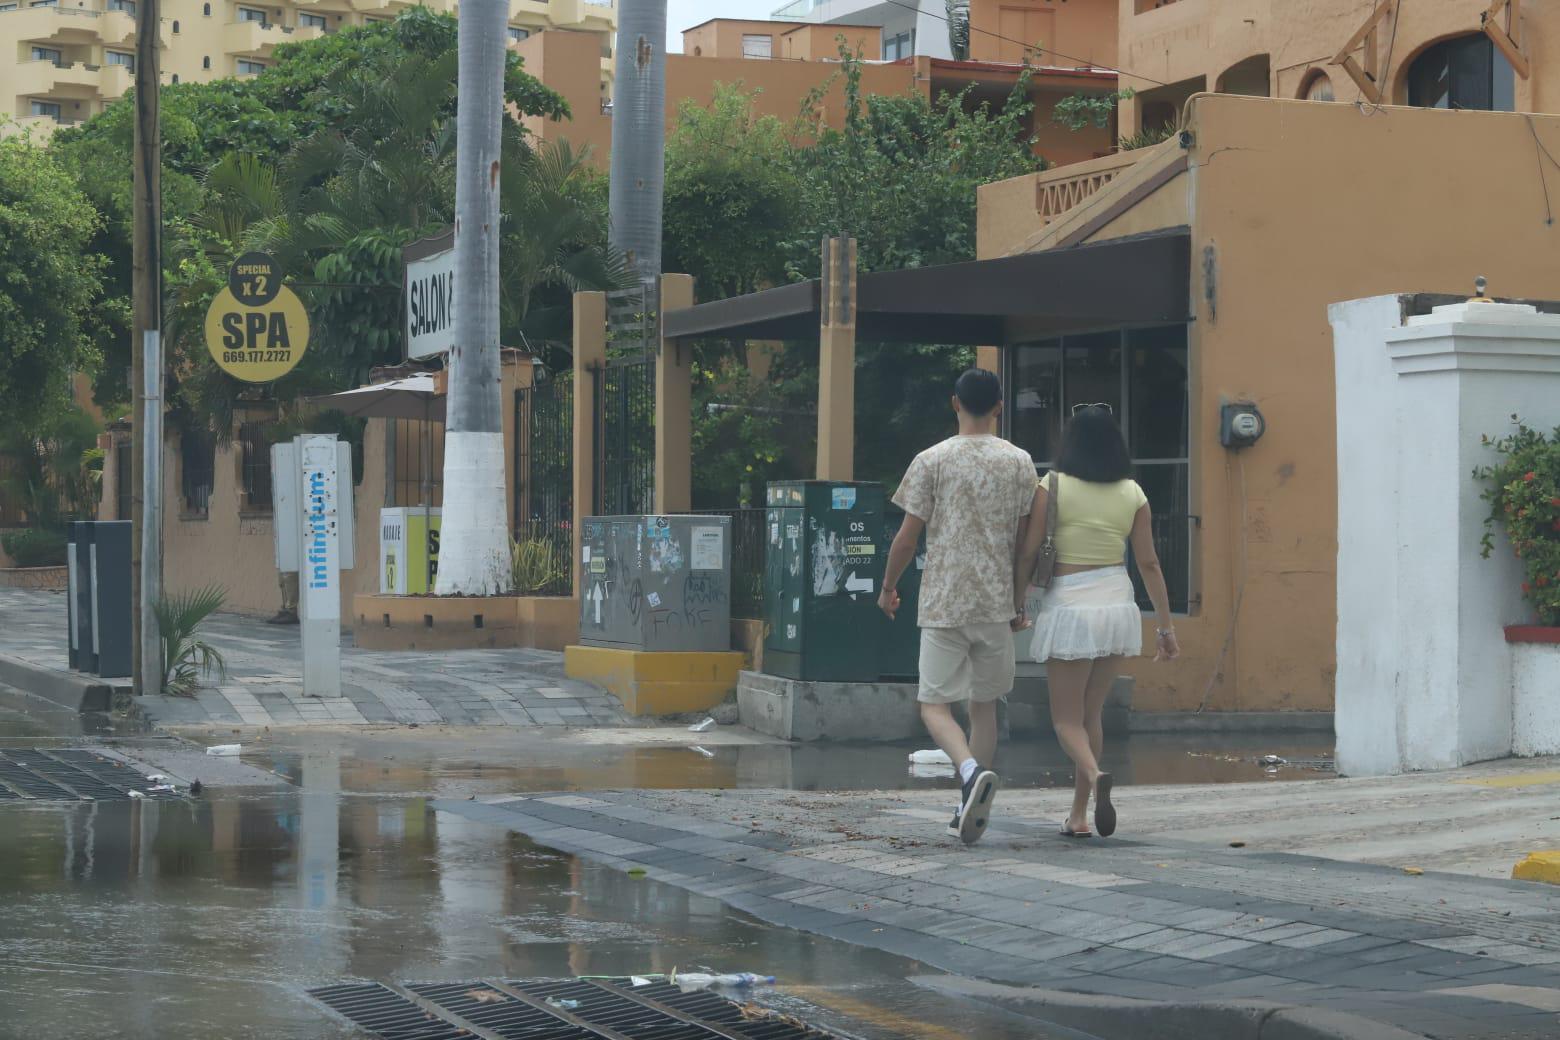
(1523, 490)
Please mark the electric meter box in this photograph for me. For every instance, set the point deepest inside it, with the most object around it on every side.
(656, 583)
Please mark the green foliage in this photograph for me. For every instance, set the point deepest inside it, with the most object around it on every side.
(1523, 490)
(48, 283)
(748, 430)
(1080, 110)
(538, 567)
(185, 657)
(35, 547)
(59, 467)
(1148, 138)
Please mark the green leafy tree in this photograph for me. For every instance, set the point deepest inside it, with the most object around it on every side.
(1523, 491)
(49, 281)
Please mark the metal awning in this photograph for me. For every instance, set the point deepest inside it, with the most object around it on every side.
(1140, 280)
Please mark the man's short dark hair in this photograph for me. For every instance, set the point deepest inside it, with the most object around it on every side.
(979, 391)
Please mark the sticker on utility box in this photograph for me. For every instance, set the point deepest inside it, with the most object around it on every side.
(844, 498)
(709, 549)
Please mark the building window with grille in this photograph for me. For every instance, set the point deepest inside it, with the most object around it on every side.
(197, 472)
(1141, 374)
(250, 68)
(254, 447)
(900, 45)
(120, 58)
(517, 34)
(311, 21)
(757, 46)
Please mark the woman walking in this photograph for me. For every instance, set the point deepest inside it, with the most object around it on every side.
(1089, 621)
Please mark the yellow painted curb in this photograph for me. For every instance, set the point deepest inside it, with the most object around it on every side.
(1515, 780)
(648, 683)
(1539, 866)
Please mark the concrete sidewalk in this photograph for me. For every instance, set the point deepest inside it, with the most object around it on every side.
(263, 685)
(1165, 923)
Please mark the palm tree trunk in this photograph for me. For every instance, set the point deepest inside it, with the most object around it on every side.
(474, 545)
(639, 135)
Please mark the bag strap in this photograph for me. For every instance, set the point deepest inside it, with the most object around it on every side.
(1050, 508)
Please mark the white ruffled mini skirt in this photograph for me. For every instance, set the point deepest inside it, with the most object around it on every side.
(1087, 615)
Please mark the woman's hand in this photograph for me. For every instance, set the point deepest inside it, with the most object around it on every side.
(1168, 648)
(1021, 621)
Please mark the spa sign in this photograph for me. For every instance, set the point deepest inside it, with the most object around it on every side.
(256, 328)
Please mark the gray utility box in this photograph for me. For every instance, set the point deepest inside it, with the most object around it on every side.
(99, 598)
(656, 583)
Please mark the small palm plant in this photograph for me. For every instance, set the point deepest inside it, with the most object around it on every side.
(186, 658)
(537, 566)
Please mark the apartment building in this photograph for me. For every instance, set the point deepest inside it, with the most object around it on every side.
(61, 61)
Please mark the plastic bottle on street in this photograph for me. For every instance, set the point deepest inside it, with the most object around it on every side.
(688, 982)
(934, 757)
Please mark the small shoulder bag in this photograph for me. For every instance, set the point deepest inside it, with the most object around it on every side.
(1045, 563)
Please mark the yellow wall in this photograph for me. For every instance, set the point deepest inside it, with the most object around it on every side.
(1082, 30)
(1201, 40)
(1303, 205)
(198, 46)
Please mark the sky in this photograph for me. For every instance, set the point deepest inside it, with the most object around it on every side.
(685, 14)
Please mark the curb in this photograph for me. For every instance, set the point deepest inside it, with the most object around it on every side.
(1539, 866)
(1166, 1020)
(78, 693)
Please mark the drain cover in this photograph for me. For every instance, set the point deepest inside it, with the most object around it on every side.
(553, 1010)
(76, 774)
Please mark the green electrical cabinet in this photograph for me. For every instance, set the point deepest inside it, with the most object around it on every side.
(901, 645)
(823, 569)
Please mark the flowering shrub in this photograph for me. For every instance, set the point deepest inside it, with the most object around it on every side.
(1524, 498)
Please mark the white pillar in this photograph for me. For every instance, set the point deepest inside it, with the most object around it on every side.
(1424, 674)
(319, 564)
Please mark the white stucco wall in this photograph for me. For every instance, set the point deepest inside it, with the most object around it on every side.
(1424, 678)
(1535, 699)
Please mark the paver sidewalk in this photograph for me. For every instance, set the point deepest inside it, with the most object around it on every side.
(263, 688)
(1128, 918)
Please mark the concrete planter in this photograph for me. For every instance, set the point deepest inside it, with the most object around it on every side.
(464, 622)
(53, 579)
(1535, 689)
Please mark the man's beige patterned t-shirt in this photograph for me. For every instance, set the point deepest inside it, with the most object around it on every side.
(971, 492)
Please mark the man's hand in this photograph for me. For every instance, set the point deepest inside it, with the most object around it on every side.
(888, 602)
(1021, 622)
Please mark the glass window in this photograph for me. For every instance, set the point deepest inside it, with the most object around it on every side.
(1157, 398)
(44, 3)
(1093, 367)
(250, 14)
(1320, 89)
(757, 46)
(47, 54)
(311, 21)
(127, 6)
(517, 34)
(206, 10)
(1466, 72)
(7, 7)
(900, 45)
(250, 68)
(175, 27)
(205, 62)
(46, 108)
(1035, 415)
(120, 58)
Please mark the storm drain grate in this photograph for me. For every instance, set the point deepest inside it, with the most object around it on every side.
(30, 774)
(520, 1009)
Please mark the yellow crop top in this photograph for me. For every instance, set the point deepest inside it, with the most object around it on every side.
(1093, 520)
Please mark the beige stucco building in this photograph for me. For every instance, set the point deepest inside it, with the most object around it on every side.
(61, 61)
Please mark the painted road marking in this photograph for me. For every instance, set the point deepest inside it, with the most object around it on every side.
(1515, 780)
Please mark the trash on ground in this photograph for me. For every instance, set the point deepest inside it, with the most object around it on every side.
(137, 794)
(226, 750)
(636, 872)
(1237, 844)
(1273, 760)
(925, 772)
(692, 981)
(934, 757)
(706, 752)
(700, 727)
(157, 777)
(638, 980)
(567, 1005)
(161, 788)
(486, 996)
(1413, 871)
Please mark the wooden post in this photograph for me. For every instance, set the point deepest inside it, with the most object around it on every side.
(590, 355)
(837, 361)
(674, 406)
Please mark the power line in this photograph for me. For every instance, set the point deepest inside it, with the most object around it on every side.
(1032, 47)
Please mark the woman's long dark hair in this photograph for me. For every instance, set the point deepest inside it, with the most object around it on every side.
(1093, 448)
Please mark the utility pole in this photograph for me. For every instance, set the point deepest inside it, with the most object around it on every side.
(639, 136)
(146, 358)
(474, 543)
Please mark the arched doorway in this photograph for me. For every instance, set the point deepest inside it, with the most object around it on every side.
(1317, 87)
(1465, 72)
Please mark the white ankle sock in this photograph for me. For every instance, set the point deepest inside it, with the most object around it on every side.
(967, 769)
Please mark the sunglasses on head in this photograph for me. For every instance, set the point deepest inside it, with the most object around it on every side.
(1102, 405)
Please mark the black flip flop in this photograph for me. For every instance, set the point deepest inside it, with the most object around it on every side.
(1068, 832)
(1104, 812)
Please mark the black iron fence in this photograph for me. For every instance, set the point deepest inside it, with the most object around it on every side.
(748, 545)
(625, 436)
(544, 487)
(1173, 542)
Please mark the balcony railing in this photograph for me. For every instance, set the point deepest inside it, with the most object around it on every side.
(1059, 190)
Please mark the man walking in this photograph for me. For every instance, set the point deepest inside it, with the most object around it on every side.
(972, 495)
